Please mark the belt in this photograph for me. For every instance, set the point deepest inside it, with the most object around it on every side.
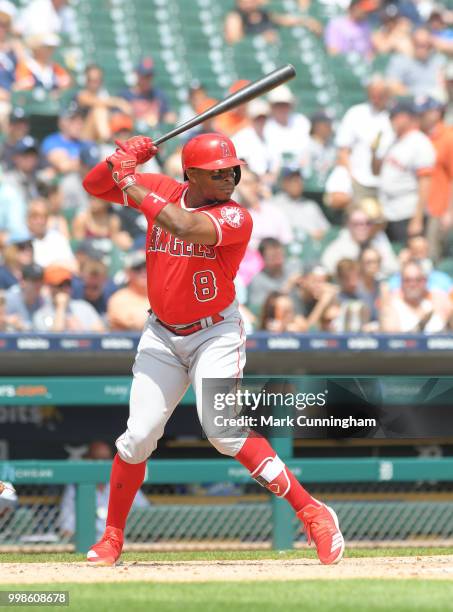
(191, 328)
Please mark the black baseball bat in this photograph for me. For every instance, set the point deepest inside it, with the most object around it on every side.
(247, 93)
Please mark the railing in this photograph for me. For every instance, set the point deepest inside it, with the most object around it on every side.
(86, 474)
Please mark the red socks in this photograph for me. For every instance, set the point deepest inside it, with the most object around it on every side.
(125, 481)
(258, 456)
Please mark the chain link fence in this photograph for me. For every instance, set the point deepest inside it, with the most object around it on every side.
(185, 517)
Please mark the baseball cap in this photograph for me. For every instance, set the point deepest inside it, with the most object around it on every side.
(73, 110)
(258, 108)
(43, 40)
(32, 272)
(281, 95)
(55, 275)
(427, 103)
(403, 106)
(90, 155)
(291, 170)
(320, 117)
(26, 144)
(120, 121)
(145, 67)
(7, 8)
(20, 237)
(17, 115)
(135, 259)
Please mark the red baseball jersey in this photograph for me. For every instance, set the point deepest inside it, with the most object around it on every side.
(186, 281)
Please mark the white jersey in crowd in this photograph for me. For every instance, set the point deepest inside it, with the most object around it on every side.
(409, 157)
(261, 158)
(289, 141)
(409, 318)
(357, 132)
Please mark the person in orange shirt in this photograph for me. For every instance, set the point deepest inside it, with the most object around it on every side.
(127, 309)
(440, 198)
(235, 120)
(39, 70)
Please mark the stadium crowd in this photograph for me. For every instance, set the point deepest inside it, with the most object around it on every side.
(366, 246)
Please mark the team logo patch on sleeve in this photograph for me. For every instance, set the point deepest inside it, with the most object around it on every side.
(232, 215)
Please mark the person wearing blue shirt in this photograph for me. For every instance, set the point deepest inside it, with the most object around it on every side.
(62, 149)
(149, 103)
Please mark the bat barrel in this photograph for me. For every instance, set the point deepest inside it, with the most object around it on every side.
(247, 93)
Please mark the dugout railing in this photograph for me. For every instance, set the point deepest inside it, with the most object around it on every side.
(86, 474)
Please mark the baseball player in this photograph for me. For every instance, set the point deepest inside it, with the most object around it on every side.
(196, 239)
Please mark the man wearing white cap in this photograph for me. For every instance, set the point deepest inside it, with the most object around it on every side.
(251, 144)
(44, 17)
(286, 131)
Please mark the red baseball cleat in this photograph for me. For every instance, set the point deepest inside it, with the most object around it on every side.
(321, 526)
(108, 550)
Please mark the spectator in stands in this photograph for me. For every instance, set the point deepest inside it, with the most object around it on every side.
(10, 51)
(278, 315)
(370, 283)
(394, 34)
(44, 17)
(49, 245)
(249, 18)
(354, 313)
(62, 149)
(440, 201)
(94, 285)
(24, 174)
(18, 127)
(307, 289)
(17, 254)
(268, 220)
(98, 104)
(415, 308)
(197, 94)
(62, 313)
(417, 249)
(75, 198)
(53, 195)
(321, 149)
(8, 323)
(423, 73)
(404, 171)
(237, 119)
(338, 193)
(305, 216)
(98, 451)
(99, 220)
(441, 31)
(252, 146)
(127, 309)
(25, 298)
(361, 126)
(351, 33)
(357, 235)
(287, 131)
(149, 104)
(39, 70)
(12, 212)
(273, 277)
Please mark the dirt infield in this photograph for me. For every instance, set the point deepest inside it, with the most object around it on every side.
(431, 567)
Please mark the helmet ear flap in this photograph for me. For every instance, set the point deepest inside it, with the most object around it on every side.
(237, 174)
(186, 178)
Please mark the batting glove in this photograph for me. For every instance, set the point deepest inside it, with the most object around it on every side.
(141, 146)
(123, 165)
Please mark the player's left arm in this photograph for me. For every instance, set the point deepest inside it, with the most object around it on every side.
(187, 226)
(190, 227)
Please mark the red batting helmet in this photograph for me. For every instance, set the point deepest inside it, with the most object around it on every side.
(211, 152)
